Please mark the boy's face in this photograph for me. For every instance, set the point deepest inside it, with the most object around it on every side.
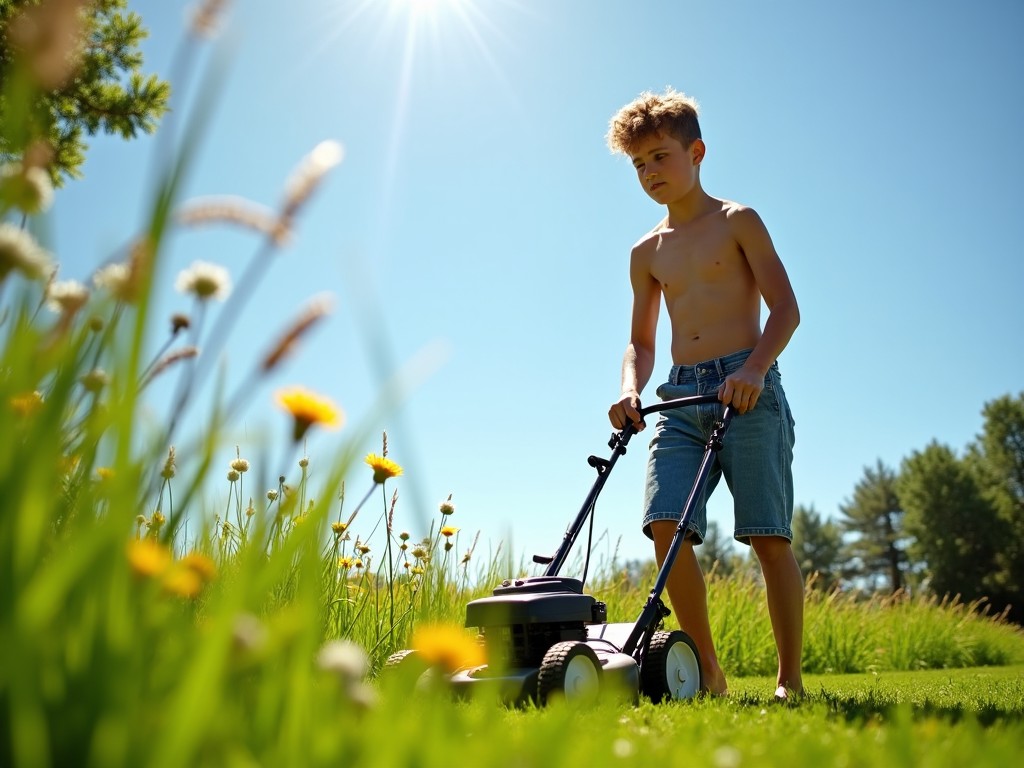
(665, 168)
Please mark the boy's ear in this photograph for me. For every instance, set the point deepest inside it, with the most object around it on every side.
(697, 150)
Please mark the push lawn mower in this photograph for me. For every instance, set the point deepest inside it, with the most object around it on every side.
(544, 637)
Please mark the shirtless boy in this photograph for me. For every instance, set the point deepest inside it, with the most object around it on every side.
(713, 261)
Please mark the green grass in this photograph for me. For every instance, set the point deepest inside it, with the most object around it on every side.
(934, 718)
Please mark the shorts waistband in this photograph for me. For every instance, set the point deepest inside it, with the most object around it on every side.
(718, 366)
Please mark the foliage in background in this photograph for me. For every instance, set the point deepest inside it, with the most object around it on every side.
(817, 545)
(946, 524)
(874, 521)
(76, 64)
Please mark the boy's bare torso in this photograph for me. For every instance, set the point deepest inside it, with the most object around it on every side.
(710, 293)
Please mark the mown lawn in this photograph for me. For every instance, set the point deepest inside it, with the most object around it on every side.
(928, 718)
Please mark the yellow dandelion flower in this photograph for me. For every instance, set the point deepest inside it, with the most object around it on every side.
(382, 468)
(26, 405)
(182, 581)
(417, 570)
(339, 528)
(157, 520)
(201, 565)
(147, 558)
(420, 553)
(447, 647)
(308, 408)
(104, 473)
(344, 563)
(448, 531)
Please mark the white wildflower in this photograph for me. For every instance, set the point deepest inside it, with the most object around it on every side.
(117, 280)
(66, 296)
(204, 281)
(20, 252)
(344, 658)
(27, 188)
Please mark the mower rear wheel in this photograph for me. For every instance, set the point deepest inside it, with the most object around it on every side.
(402, 658)
(408, 666)
(570, 669)
(671, 667)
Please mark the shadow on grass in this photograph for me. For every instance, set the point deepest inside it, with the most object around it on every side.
(885, 706)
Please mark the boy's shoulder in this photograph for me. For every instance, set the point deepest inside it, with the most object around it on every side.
(650, 237)
(729, 209)
(732, 209)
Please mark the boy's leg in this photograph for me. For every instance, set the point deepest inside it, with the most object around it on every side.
(757, 463)
(784, 585)
(688, 594)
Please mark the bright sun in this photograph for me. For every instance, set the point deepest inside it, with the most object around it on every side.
(423, 6)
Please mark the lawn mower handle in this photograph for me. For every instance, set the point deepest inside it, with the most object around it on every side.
(679, 402)
(618, 442)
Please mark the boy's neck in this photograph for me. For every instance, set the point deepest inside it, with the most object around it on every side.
(694, 204)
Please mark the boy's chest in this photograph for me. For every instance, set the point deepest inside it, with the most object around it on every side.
(706, 254)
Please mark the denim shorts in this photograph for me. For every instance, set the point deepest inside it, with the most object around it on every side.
(756, 457)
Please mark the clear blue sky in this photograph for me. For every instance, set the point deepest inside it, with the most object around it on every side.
(478, 223)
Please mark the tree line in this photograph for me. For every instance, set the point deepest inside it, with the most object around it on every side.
(941, 523)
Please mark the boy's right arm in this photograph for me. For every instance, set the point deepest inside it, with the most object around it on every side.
(638, 360)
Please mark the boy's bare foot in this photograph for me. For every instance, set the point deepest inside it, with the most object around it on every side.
(714, 683)
(786, 695)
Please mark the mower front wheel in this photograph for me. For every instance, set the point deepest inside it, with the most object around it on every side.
(671, 667)
(570, 669)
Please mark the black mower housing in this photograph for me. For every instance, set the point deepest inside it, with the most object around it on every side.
(525, 617)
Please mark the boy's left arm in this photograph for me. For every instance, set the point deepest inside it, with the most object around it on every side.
(743, 388)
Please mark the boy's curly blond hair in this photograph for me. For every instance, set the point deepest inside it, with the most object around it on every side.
(672, 112)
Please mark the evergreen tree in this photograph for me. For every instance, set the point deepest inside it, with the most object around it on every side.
(956, 529)
(997, 461)
(69, 69)
(816, 544)
(873, 523)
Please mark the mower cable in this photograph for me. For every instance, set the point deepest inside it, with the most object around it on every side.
(590, 540)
